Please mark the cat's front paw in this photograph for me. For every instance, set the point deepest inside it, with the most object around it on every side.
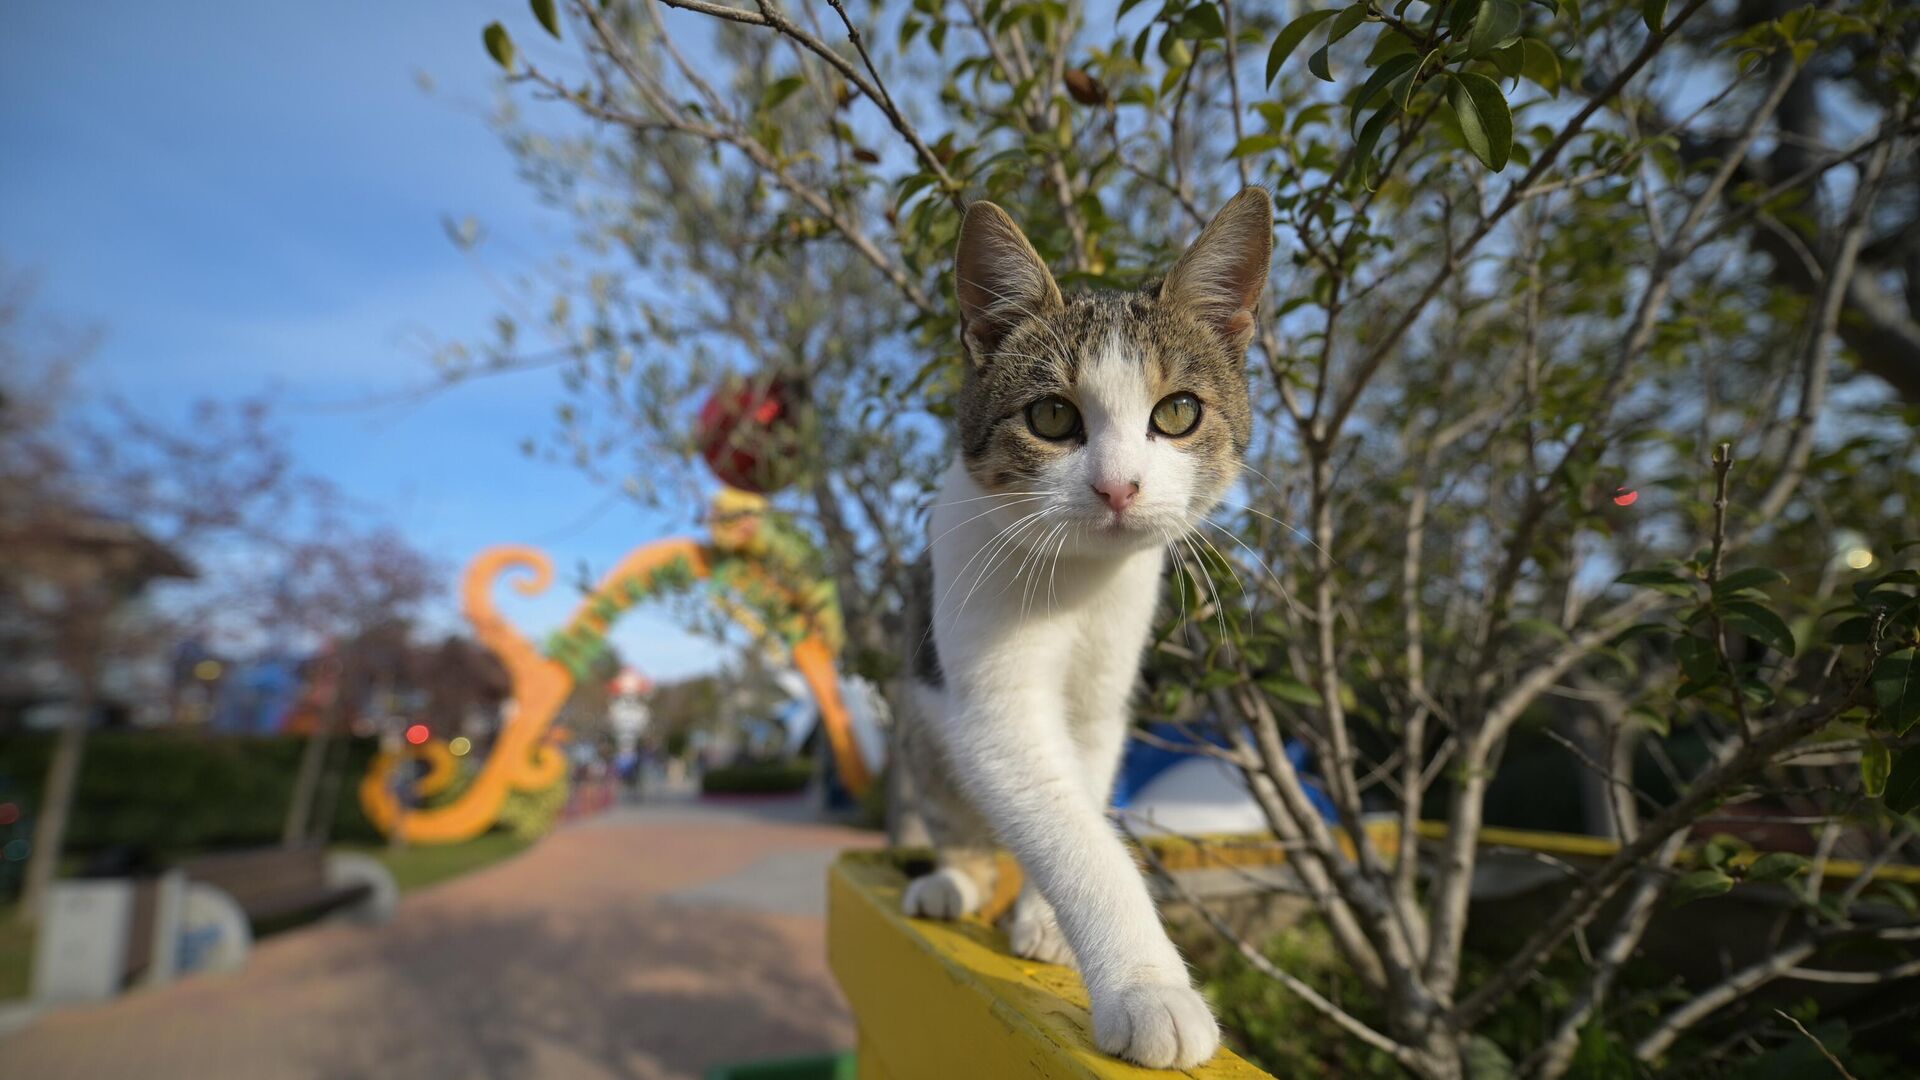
(1159, 1025)
(1034, 933)
(944, 894)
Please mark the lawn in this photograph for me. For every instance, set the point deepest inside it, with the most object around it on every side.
(16, 954)
(422, 865)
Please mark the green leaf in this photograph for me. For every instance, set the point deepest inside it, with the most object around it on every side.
(1484, 1060)
(1896, 688)
(1876, 762)
(1665, 581)
(549, 18)
(1497, 24)
(1698, 885)
(1697, 659)
(1506, 59)
(1369, 138)
(1290, 38)
(1202, 23)
(1460, 16)
(1753, 577)
(1376, 84)
(1540, 64)
(1719, 849)
(1542, 627)
(1345, 23)
(1900, 896)
(1650, 720)
(778, 91)
(1759, 623)
(499, 45)
(1218, 678)
(1389, 43)
(1855, 631)
(1286, 689)
(1485, 121)
(1903, 782)
(1317, 64)
(1776, 866)
(1256, 144)
(1653, 13)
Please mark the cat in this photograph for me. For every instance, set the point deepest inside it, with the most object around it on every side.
(1092, 431)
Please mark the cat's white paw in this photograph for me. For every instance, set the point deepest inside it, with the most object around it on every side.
(944, 894)
(1159, 1025)
(1034, 933)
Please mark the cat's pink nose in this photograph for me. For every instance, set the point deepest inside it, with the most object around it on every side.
(1119, 494)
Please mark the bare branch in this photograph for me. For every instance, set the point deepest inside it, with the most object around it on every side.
(1260, 963)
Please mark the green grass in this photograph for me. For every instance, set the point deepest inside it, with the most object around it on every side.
(429, 864)
(16, 954)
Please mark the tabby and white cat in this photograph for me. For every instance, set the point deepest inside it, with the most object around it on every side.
(1092, 431)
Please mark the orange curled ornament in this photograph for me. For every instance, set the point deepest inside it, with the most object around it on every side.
(742, 558)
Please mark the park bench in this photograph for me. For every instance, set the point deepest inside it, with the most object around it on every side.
(131, 924)
(274, 886)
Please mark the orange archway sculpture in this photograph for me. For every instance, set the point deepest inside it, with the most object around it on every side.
(752, 565)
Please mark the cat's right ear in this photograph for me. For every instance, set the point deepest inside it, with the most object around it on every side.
(1000, 279)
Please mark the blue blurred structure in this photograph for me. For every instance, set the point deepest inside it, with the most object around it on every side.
(255, 697)
(1144, 763)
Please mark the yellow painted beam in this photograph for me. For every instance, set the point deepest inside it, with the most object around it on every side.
(947, 1001)
(1567, 845)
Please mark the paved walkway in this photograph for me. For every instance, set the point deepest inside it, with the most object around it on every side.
(652, 942)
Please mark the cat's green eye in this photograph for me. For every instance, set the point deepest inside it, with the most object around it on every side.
(1053, 417)
(1176, 415)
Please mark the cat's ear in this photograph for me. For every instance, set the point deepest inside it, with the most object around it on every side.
(1222, 275)
(1000, 279)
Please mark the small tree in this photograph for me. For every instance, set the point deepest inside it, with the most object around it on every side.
(1585, 361)
(345, 588)
(96, 502)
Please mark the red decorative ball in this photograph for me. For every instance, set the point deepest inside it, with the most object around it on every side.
(747, 434)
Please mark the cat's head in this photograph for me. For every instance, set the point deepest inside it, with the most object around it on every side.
(1127, 410)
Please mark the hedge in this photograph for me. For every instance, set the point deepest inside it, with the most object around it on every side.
(165, 793)
(758, 778)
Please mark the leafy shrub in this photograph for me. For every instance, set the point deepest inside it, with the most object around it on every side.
(169, 793)
(758, 778)
(531, 815)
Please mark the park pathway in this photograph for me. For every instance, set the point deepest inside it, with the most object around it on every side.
(652, 942)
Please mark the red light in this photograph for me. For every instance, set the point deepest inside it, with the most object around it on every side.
(1623, 497)
(418, 734)
(9, 813)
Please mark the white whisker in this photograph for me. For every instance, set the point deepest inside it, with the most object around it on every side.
(1263, 564)
(1065, 535)
(1004, 549)
(974, 518)
(977, 498)
(1290, 528)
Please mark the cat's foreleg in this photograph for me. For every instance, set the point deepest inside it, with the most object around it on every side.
(1099, 731)
(1012, 752)
(965, 864)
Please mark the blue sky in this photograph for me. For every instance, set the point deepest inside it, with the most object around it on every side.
(247, 198)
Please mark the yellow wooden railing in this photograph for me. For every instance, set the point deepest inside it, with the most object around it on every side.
(947, 1001)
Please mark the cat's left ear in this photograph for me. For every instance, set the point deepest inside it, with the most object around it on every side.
(1222, 275)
